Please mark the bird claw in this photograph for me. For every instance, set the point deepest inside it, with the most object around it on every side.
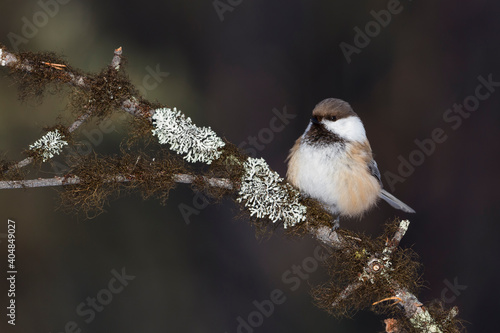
(336, 224)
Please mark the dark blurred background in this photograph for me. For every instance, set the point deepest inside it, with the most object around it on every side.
(230, 70)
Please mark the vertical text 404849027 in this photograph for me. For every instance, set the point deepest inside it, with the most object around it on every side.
(11, 271)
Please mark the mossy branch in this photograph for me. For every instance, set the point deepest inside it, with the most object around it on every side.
(365, 272)
(74, 180)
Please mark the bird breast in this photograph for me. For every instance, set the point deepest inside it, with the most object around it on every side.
(337, 175)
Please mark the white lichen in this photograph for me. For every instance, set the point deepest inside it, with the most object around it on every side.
(422, 320)
(201, 144)
(2, 60)
(266, 195)
(49, 145)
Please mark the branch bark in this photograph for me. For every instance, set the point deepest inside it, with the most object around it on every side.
(73, 180)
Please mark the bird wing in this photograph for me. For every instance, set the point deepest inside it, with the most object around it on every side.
(389, 198)
(372, 166)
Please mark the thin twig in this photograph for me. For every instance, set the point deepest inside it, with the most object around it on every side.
(79, 121)
(50, 182)
(115, 63)
(130, 105)
(79, 81)
(21, 164)
(214, 182)
(8, 59)
(393, 298)
(62, 181)
(346, 293)
(394, 242)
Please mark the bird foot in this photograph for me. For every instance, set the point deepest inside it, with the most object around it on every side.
(336, 224)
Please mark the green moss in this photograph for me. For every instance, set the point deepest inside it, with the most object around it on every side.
(152, 177)
(444, 319)
(9, 171)
(46, 71)
(345, 267)
(103, 94)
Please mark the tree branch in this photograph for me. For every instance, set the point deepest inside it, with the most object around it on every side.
(73, 180)
(273, 191)
(394, 242)
(115, 63)
(8, 59)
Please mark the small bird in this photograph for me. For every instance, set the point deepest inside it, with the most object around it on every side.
(332, 162)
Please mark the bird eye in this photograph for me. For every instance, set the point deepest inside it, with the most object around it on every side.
(332, 118)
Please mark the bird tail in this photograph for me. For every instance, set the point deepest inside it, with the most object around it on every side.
(395, 202)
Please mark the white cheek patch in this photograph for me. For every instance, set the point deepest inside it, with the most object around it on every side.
(350, 128)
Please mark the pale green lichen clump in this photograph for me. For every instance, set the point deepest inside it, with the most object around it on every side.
(201, 144)
(49, 145)
(266, 195)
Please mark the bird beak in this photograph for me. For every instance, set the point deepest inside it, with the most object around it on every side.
(315, 120)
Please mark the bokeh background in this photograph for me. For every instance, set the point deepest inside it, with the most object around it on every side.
(201, 273)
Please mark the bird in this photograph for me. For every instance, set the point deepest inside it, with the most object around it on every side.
(333, 163)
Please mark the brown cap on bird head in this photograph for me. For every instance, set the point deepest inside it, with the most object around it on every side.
(333, 107)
